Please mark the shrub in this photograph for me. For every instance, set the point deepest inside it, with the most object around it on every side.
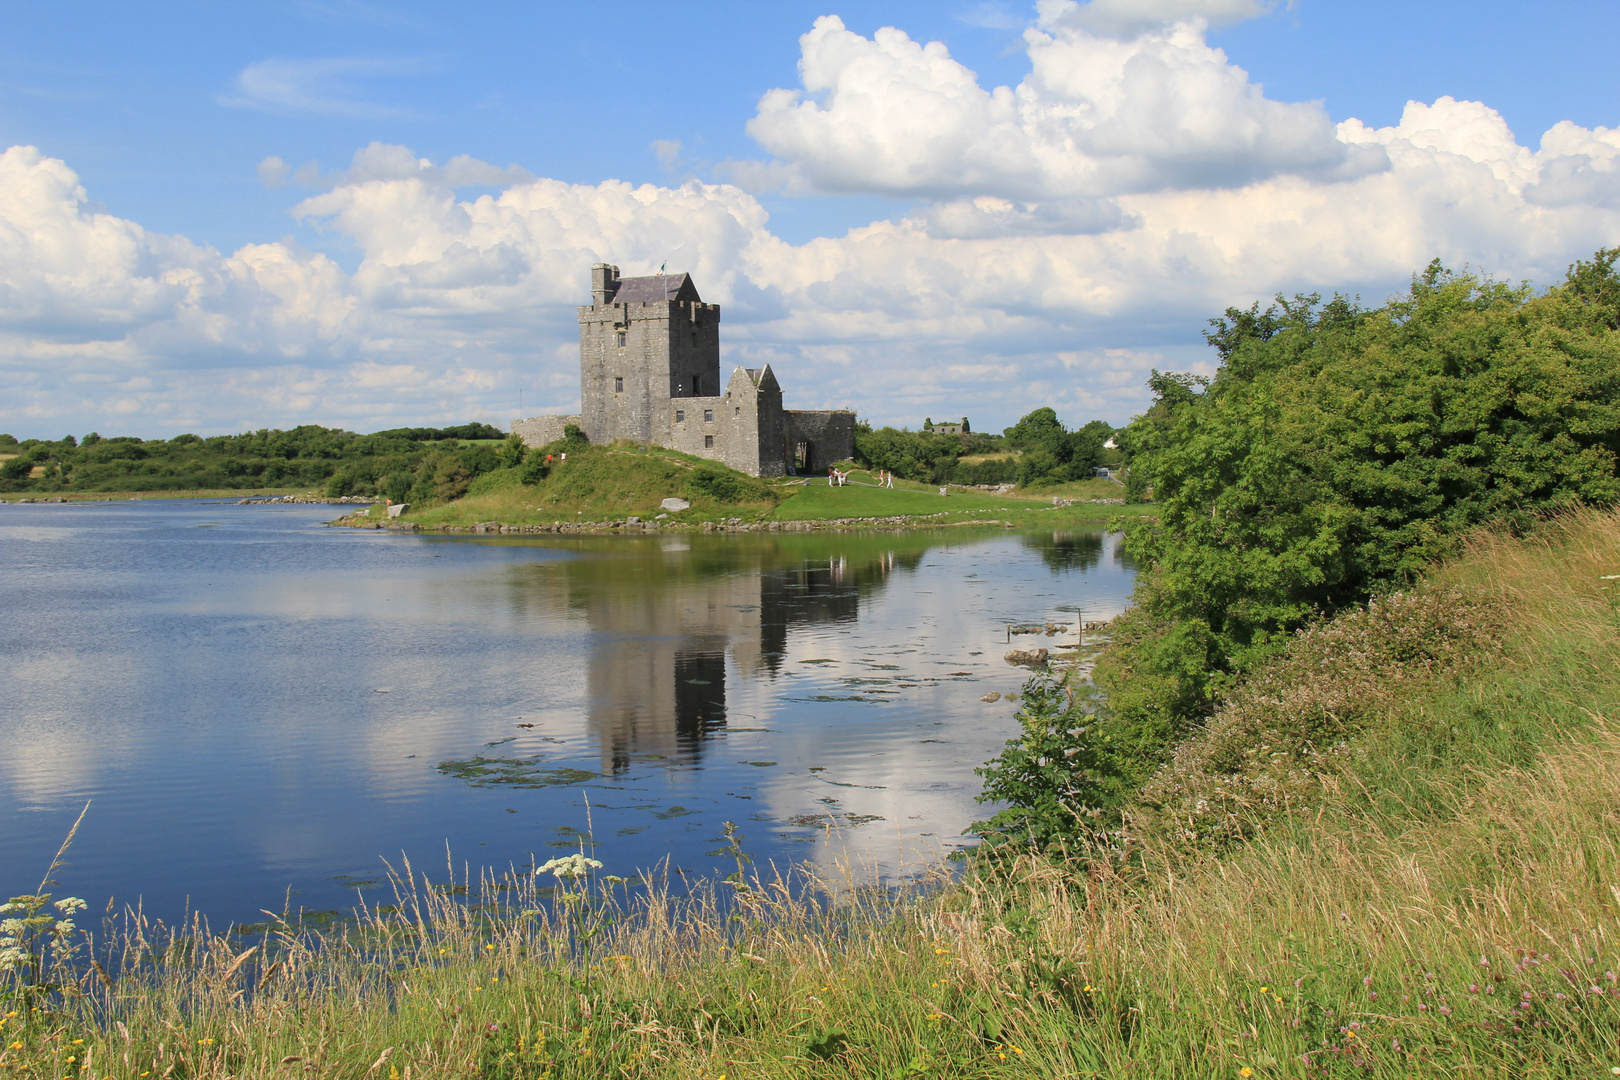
(534, 468)
(513, 452)
(1054, 775)
(725, 487)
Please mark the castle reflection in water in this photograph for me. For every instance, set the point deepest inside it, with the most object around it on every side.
(668, 626)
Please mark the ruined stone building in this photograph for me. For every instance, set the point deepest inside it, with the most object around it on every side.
(649, 371)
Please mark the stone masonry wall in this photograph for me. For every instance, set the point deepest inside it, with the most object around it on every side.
(700, 419)
(830, 436)
(667, 346)
(540, 430)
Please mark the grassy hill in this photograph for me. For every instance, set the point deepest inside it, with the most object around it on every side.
(1431, 892)
(598, 483)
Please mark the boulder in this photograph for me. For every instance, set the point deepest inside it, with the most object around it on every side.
(673, 504)
(1027, 657)
(994, 695)
(398, 508)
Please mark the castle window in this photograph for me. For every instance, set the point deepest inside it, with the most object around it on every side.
(708, 442)
(618, 384)
(697, 381)
(618, 339)
(708, 416)
(680, 416)
(739, 410)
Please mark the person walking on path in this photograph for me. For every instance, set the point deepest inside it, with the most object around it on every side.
(888, 478)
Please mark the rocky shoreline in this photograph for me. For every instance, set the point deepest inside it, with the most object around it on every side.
(362, 500)
(638, 525)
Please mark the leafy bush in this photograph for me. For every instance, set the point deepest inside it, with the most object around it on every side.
(1054, 775)
(512, 452)
(1338, 451)
(534, 468)
(1053, 455)
(993, 471)
(725, 487)
(918, 455)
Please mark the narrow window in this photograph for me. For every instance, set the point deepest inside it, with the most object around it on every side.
(739, 410)
(708, 442)
(697, 381)
(618, 384)
(680, 416)
(708, 416)
(618, 339)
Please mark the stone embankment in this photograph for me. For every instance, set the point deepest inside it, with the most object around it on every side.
(362, 500)
(638, 525)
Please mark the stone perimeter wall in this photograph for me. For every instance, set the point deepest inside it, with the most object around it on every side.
(540, 430)
(829, 434)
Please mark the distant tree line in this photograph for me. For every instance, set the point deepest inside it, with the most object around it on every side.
(398, 462)
(1035, 452)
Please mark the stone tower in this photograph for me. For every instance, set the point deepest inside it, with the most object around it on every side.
(643, 342)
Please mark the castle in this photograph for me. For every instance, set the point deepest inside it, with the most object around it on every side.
(649, 371)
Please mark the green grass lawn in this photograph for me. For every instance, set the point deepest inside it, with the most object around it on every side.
(604, 483)
(816, 501)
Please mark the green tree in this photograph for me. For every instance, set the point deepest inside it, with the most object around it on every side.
(512, 452)
(1339, 450)
(1336, 453)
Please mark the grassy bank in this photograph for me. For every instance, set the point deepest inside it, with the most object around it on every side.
(611, 483)
(1436, 898)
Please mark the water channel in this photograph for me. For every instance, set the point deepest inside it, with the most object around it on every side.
(261, 709)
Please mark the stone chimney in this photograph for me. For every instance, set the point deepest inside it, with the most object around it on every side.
(604, 283)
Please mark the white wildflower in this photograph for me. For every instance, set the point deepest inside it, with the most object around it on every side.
(569, 866)
(69, 904)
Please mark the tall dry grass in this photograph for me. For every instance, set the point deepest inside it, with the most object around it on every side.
(1445, 905)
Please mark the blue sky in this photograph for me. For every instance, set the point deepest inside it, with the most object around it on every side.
(894, 238)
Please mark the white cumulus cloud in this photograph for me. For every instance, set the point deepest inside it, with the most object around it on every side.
(1098, 115)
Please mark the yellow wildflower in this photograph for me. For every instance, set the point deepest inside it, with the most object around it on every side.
(1245, 1071)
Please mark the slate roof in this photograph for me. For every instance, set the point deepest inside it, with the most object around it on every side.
(652, 290)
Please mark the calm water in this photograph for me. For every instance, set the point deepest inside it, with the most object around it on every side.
(256, 703)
